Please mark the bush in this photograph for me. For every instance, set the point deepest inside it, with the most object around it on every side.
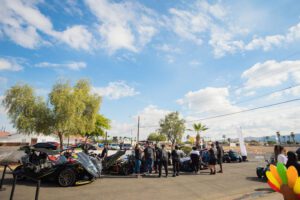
(186, 149)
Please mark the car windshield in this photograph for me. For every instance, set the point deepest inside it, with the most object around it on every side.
(92, 166)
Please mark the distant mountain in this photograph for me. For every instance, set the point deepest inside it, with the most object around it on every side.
(273, 138)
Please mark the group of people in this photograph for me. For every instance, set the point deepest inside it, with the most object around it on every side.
(287, 158)
(157, 158)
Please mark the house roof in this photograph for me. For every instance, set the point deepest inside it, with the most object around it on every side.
(4, 134)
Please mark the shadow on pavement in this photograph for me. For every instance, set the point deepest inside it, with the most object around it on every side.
(256, 179)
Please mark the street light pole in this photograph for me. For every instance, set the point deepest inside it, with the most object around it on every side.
(138, 130)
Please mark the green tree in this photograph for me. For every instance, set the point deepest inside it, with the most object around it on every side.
(70, 111)
(198, 128)
(172, 127)
(156, 137)
(101, 125)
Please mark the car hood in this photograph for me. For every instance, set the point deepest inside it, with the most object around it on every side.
(91, 165)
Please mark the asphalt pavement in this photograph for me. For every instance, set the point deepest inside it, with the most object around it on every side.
(238, 182)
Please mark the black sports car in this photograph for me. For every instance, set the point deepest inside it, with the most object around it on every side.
(232, 156)
(67, 169)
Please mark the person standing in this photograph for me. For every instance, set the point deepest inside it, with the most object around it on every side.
(175, 160)
(138, 159)
(195, 158)
(149, 158)
(163, 160)
(104, 152)
(212, 161)
(220, 154)
(156, 158)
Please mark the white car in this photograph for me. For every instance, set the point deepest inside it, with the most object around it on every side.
(114, 147)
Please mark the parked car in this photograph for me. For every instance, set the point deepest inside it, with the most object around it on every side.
(114, 147)
(47, 145)
(101, 145)
(127, 146)
(65, 169)
(88, 146)
(232, 156)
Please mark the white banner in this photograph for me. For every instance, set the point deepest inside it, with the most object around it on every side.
(242, 143)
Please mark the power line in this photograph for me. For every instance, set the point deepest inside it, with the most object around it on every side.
(234, 113)
(267, 94)
(247, 110)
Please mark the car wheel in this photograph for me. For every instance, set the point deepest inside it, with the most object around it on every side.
(18, 171)
(67, 177)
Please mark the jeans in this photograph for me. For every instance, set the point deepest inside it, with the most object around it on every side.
(137, 166)
(175, 167)
(149, 164)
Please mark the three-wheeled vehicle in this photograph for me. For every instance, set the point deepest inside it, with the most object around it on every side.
(65, 167)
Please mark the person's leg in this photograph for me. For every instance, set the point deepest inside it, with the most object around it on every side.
(214, 167)
(150, 165)
(156, 166)
(177, 168)
(174, 168)
(221, 167)
(166, 167)
(210, 168)
(159, 168)
(197, 166)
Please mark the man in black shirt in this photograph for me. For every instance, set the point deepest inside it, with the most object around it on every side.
(220, 154)
(163, 160)
(175, 160)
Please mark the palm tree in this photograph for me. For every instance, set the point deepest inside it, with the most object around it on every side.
(278, 136)
(284, 139)
(293, 137)
(198, 128)
(224, 137)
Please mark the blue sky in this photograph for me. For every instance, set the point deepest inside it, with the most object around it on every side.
(150, 57)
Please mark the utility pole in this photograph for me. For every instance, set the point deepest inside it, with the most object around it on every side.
(105, 136)
(138, 130)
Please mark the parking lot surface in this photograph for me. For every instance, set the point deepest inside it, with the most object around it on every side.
(238, 182)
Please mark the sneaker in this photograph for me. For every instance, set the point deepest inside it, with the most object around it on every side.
(174, 175)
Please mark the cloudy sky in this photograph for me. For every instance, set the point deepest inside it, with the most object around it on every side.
(151, 57)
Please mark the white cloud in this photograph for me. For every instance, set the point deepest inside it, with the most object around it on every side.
(77, 37)
(124, 25)
(208, 101)
(168, 48)
(70, 65)
(22, 22)
(9, 65)
(149, 122)
(116, 90)
(268, 42)
(271, 73)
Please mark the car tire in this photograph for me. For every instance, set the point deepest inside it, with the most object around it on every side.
(18, 170)
(67, 177)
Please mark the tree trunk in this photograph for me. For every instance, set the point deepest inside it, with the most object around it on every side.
(85, 150)
(61, 142)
